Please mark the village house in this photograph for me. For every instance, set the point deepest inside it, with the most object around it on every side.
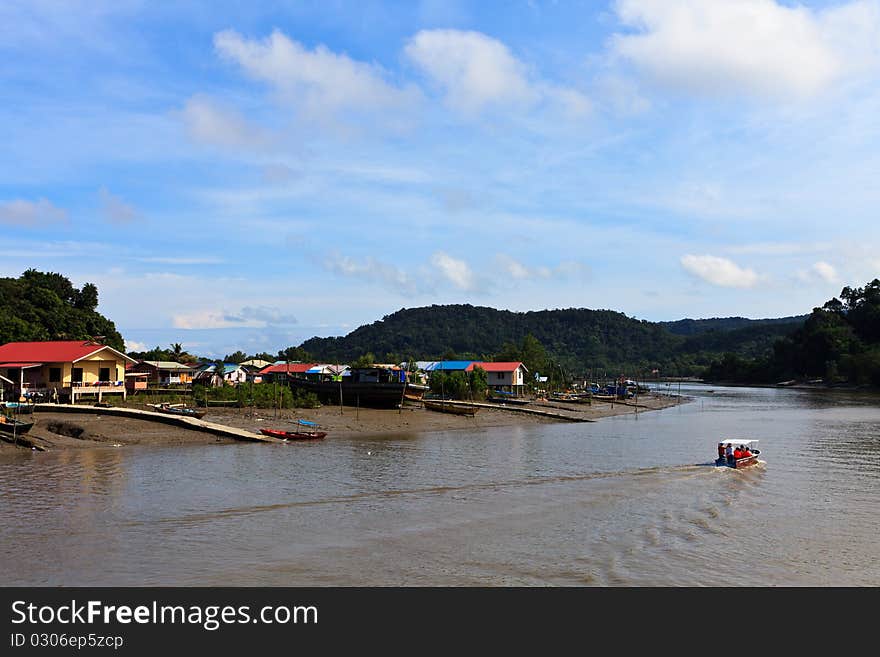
(509, 377)
(232, 374)
(164, 372)
(64, 370)
(284, 371)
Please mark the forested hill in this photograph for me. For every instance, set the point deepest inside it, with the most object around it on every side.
(696, 326)
(46, 306)
(578, 339)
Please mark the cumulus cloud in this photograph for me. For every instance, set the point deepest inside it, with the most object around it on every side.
(455, 271)
(821, 271)
(115, 210)
(134, 345)
(719, 271)
(253, 317)
(825, 271)
(475, 71)
(374, 270)
(758, 47)
(318, 81)
(31, 213)
(208, 123)
(518, 271)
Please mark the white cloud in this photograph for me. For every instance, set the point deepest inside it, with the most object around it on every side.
(821, 271)
(719, 271)
(374, 270)
(31, 213)
(134, 345)
(317, 81)
(115, 210)
(208, 123)
(760, 47)
(475, 71)
(518, 271)
(825, 271)
(455, 271)
(249, 316)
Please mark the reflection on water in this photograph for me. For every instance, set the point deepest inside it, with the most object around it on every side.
(630, 500)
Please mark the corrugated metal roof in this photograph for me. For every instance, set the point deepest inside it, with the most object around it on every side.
(293, 368)
(168, 365)
(53, 351)
(450, 365)
(500, 367)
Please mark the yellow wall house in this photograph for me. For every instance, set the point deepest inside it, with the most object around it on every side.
(64, 370)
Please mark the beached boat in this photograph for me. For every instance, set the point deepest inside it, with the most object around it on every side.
(731, 462)
(178, 409)
(9, 426)
(305, 431)
(443, 406)
(500, 397)
(368, 386)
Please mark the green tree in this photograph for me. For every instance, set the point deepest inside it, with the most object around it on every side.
(366, 360)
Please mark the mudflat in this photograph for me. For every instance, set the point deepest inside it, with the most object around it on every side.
(59, 430)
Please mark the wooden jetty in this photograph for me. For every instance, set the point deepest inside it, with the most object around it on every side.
(178, 420)
(522, 409)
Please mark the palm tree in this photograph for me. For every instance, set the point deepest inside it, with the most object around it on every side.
(177, 352)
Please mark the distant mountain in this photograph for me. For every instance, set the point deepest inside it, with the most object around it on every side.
(577, 339)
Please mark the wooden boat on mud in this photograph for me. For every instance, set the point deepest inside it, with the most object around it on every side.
(305, 431)
(10, 427)
(178, 409)
(443, 406)
(750, 446)
(501, 397)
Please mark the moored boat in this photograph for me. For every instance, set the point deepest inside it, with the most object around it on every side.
(305, 431)
(9, 426)
(444, 406)
(178, 409)
(747, 447)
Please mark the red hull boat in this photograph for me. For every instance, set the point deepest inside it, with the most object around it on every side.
(305, 431)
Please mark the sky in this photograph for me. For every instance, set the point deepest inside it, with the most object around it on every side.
(244, 176)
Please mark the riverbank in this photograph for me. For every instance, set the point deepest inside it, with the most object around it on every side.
(59, 430)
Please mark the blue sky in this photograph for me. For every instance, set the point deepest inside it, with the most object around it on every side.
(247, 175)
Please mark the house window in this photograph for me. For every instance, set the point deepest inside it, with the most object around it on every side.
(499, 375)
(54, 375)
(76, 375)
(104, 374)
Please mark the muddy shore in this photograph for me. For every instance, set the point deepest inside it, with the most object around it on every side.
(58, 430)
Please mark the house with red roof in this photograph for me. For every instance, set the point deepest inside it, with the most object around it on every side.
(510, 377)
(282, 372)
(64, 369)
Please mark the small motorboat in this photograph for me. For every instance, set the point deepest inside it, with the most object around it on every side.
(9, 426)
(750, 446)
(178, 409)
(305, 431)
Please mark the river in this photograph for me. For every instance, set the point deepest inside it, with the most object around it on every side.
(631, 500)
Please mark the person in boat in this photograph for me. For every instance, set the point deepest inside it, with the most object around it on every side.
(737, 453)
(728, 452)
(746, 452)
(721, 450)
